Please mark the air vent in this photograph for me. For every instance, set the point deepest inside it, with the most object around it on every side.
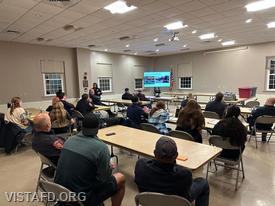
(149, 51)
(13, 32)
(91, 46)
(127, 50)
(160, 44)
(40, 39)
(206, 41)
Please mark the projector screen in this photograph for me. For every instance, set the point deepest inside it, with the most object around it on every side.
(156, 79)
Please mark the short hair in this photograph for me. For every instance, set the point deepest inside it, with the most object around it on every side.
(84, 96)
(134, 99)
(126, 89)
(219, 96)
(60, 94)
(40, 121)
(233, 111)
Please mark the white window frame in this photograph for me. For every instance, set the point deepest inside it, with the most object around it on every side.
(183, 87)
(111, 85)
(44, 83)
(141, 84)
(268, 61)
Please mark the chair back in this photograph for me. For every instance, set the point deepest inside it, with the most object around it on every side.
(265, 119)
(46, 161)
(252, 104)
(149, 127)
(222, 142)
(181, 135)
(77, 114)
(58, 191)
(158, 199)
(212, 115)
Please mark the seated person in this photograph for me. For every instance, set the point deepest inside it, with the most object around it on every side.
(163, 175)
(97, 90)
(60, 119)
(191, 120)
(159, 116)
(44, 141)
(68, 106)
(17, 115)
(127, 95)
(54, 101)
(157, 91)
(184, 102)
(232, 128)
(267, 109)
(84, 166)
(135, 113)
(141, 96)
(84, 105)
(95, 98)
(217, 105)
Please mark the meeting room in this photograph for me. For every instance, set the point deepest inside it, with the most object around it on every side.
(137, 102)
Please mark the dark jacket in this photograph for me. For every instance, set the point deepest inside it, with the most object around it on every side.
(84, 107)
(264, 110)
(216, 106)
(142, 97)
(68, 107)
(171, 179)
(97, 91)
(136, 114)
(127, 96)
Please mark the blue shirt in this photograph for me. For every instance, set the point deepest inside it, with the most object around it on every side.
(136, 114)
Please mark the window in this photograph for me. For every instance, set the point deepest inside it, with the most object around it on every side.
(185, 83)
(138, 83)
(271, 74)
(52, 83)
(105, 84)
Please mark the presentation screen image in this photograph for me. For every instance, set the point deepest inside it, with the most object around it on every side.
(156, 79)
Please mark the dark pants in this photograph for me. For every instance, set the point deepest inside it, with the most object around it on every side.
(199, 192)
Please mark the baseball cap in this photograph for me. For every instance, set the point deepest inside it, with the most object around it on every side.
(90, 124)
(166, 148)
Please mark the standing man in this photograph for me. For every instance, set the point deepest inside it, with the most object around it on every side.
(84, 166)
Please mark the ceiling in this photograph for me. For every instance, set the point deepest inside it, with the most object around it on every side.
(96, 26)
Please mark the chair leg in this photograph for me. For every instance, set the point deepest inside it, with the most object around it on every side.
(237, 180)
(242, 167)
(39, 176)
(216, 169)
(256, 142)
(270, 136)
(208, 165)
(113, 155)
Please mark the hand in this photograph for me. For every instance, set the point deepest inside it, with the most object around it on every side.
(58, 144)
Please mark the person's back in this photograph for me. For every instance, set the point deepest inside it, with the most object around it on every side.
(158, 117)
(84, 106)
(217, 105)
(127, 95)
(135, 113)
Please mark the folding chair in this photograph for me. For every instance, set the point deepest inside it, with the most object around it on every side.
(224, 143)
(78, 119)
(67, 126)
(149, 127)
(59, 192)
(44, 171)
(252, 104)
(181, 135)
(212, 115)
(264, 119)
(158, 199)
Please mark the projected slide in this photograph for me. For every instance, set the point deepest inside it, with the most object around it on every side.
(156, 79)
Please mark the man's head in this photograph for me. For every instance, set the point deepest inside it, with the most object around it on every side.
(233, 111)
(90, 125)
(139, 91)
(219, 97)
(95, 85)
(166, 150)
(42, 122)
(60, 94)
(270, 101)
(190, 96)
(126, 90)
(134, 99)
(85, 97)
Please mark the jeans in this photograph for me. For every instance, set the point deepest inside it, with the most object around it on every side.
(199, 192)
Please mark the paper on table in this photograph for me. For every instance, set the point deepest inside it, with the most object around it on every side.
(182, 158)
(213, 121)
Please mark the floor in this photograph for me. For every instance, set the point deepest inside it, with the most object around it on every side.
(19, 171)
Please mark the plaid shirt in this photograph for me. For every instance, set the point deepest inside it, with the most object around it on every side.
(158, 119)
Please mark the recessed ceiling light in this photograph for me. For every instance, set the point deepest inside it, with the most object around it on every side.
(271, 25)
(156, 39)
(106, 50)
(228, 43)
(157, 50)
(220, 40)
(136, 53)
(248, 21)
(127, 45)
(175, 25)
(194, 31)
(260, 5)
(207, 36)
(119, 7)
(184, 46)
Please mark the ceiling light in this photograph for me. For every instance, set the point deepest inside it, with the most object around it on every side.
(248, 21)
(194, 31)
(220, 40)
(207, 36)
(157, 50)
(175, 25)
(106, 50)
(228, 43)
(176, 38)
(185, 45)
(260, 5)
(136, 53)
(119, 7)
(127, 45)
(271, 25)
(156, 39)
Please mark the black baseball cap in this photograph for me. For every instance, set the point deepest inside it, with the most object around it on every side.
(90, 124)
(166, 148)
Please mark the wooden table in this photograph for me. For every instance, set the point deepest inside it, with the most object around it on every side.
(101, 108)
(125, 102)
(143, 143)
(244, 110)
(209, 122)
(162, 98)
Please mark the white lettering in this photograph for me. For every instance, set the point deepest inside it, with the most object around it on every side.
(10, 196)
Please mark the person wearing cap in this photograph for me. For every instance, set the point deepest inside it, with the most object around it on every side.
(217, 105)
(267, 109)
(67, 106)
(163, 175)
(84, 166)
(127, 95)
(135, 113)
